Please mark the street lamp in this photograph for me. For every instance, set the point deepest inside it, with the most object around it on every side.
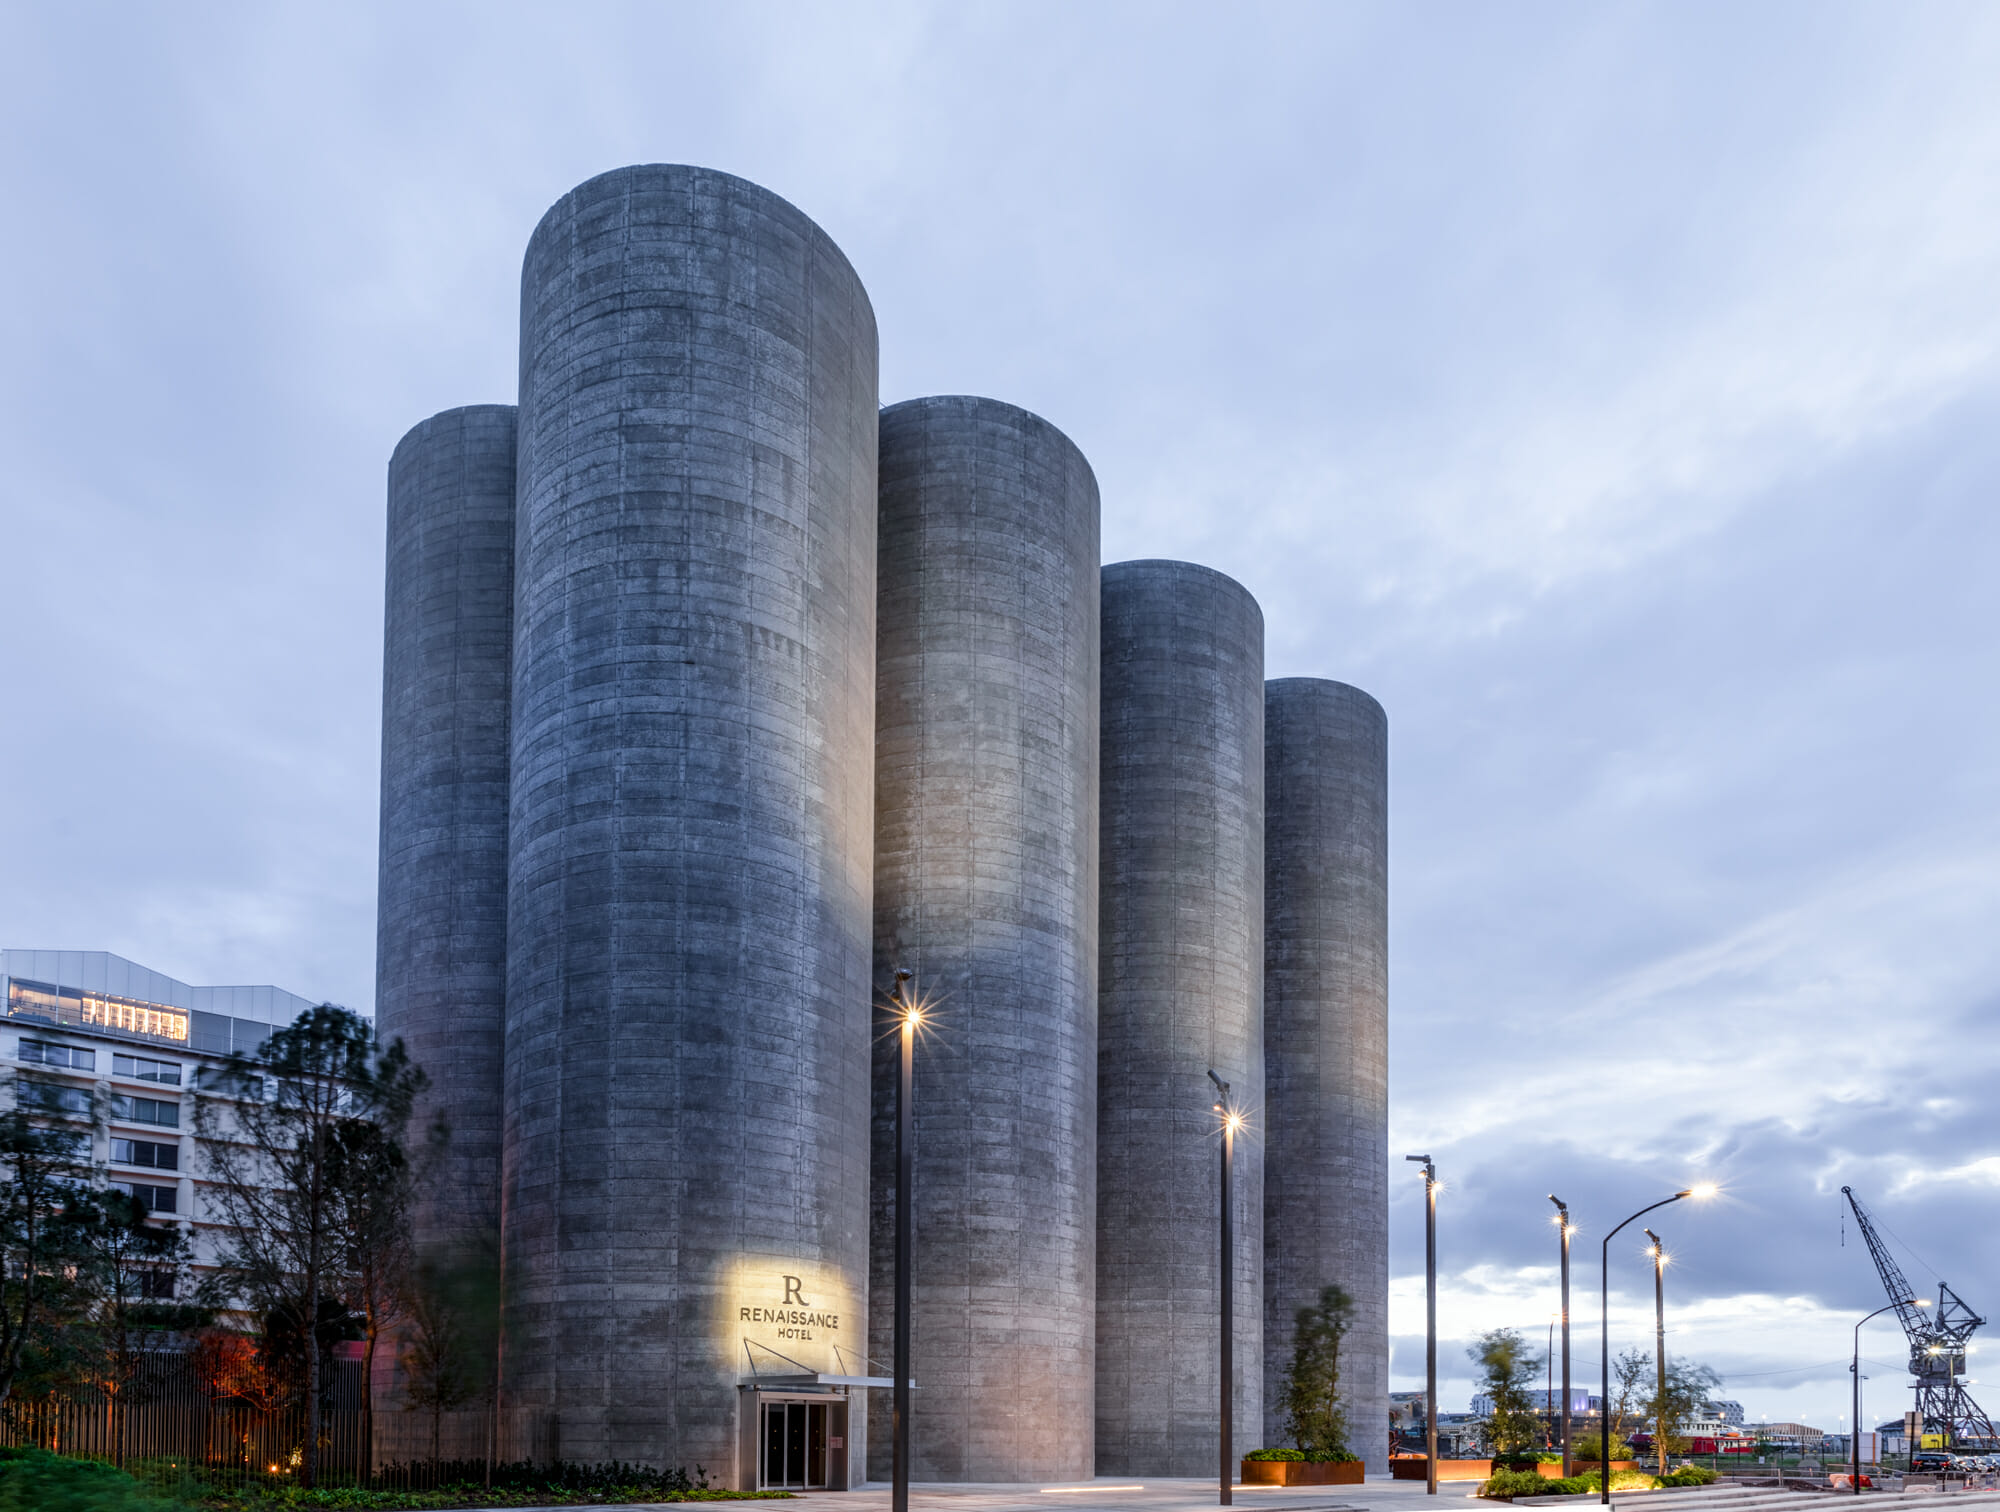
(1855, 1433)
(1231, 1121)
(910, 1017)
(1430, 1323)
(1659, 1253)
(1604, 1338)
(1563, 1224)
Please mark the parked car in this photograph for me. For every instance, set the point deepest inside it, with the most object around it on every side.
(1931, 1462)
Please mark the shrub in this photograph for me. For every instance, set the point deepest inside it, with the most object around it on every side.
(33, 1480)
(1586, 1449)
(1507, 1483)
(1275, 1454)
(1332, 1457)
(1689, 1475)
(1512, 1483)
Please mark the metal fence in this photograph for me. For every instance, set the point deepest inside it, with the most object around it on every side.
(176, 1432)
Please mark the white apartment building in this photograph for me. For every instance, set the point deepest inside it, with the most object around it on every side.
(120, 1044)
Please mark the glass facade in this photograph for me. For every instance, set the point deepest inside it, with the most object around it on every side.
(53, 1003)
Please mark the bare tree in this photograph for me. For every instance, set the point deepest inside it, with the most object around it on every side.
(442, 1346)
(280, 1130)
(371, 1168)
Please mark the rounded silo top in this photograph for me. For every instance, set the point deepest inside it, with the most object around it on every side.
(674, 195)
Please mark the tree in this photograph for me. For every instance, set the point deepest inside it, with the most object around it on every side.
(44, 1211)
(282, 1131)
(371, 1168)
(1314, 1416)
(443, 1356)
(1690, 1386)
(1507, 1368)
(1631, 1389)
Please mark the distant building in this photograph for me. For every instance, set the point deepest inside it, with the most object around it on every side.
(1802, 1434)
(116, 1046)
(1730, 1413)
(1580, 1401)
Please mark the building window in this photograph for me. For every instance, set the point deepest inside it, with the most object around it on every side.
(58, 1055)
(40, 1097)
(71, 1005)
(167, 1073)
(146, 1110)
(156, 1285)
(154, 1199)
(144, 1152)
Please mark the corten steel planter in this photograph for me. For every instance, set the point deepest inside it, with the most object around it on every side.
(1302, 1473)
(1412, 1468)
(1583, 1465)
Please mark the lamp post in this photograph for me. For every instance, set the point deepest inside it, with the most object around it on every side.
(1659, 1349)
(1563, 1224)
(1549, 1383)
(899, 1455)
(1230, 1119)
(1430, 1323)
(1855, 1432)
(1604, 1340)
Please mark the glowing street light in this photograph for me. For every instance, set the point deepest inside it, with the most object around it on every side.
(910, 1017)
(1432, 1186)
(1706, 1189)
(1567, 1228)
(1659, 1254)
(1232, 1120)
(1854, 1436)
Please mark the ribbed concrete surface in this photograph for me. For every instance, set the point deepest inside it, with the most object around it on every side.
(986, 888)
(441, 921)
(1326, 1031)
(692, 821)
(1181, 952)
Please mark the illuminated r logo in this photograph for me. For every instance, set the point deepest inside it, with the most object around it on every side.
(792, 1285)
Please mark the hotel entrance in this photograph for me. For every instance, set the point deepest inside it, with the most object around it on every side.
(802, 1445)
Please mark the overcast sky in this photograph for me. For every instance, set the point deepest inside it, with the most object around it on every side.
(1613, 390)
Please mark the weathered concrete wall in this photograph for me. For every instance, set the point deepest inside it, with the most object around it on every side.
(1181, 952)
(692, 820)
(1326, 1033)
(441, 920)
(986, 888)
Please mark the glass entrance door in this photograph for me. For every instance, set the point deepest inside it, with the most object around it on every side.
(795, 1446)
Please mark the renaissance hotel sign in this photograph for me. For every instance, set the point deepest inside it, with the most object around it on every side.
(796, 1321)
(784, 1307)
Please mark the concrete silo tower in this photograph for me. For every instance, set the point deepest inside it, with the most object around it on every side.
(986, 889)
(1180, 992)
(688, 942)
(1326, 1030)
(441, 930)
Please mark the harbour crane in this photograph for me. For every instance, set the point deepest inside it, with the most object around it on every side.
(1937, 1338)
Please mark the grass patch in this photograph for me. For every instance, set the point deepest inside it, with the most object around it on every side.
(33, 1480)
(356, 1499)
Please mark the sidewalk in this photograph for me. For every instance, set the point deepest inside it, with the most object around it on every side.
(1142, 1494)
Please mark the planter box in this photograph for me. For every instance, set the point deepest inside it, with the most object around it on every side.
(1412, 1468)
(1302, 1473)
(1587, 1466)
